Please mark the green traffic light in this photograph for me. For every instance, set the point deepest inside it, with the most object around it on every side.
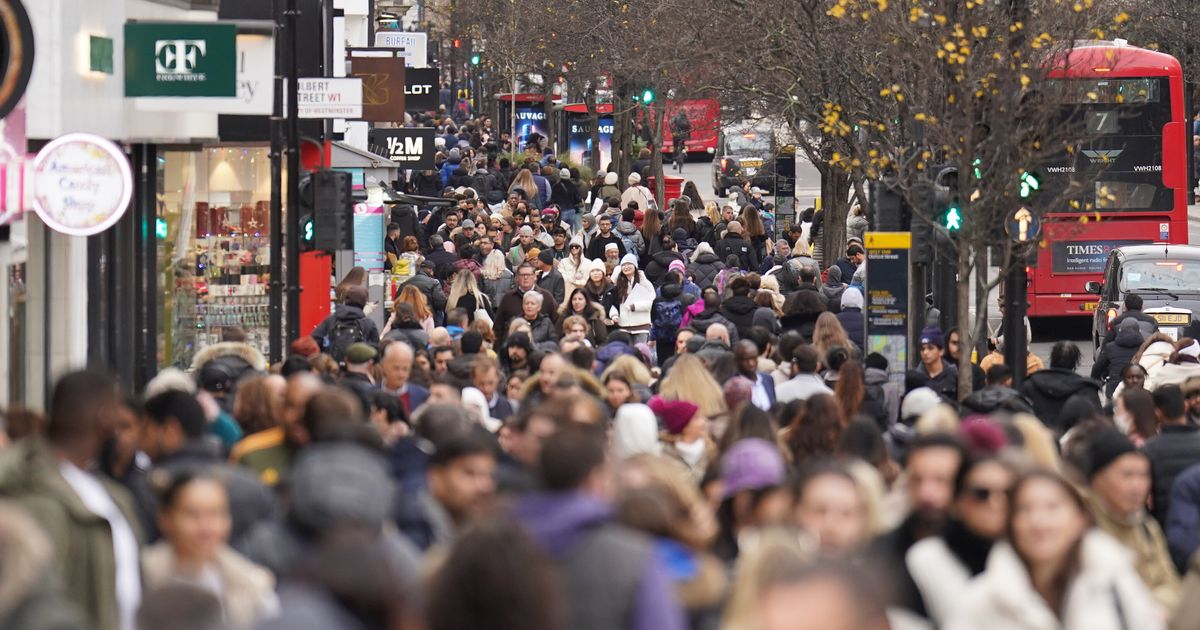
(475, 59)
(307, 230)
(954, 219)
(160, 227)
(1029, 184)
(648, 96)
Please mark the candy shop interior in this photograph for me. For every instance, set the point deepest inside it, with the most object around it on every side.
(213, 234)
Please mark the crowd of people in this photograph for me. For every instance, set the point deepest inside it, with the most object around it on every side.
(598, 413)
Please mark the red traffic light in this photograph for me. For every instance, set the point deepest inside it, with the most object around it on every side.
(457, 43)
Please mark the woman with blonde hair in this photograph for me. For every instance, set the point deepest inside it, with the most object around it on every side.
(496, 278)
(690, 380)
(465, 294)
(524, 182)
(829, 334)
(633, 371)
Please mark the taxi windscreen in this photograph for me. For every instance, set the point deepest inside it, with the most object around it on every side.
(1175, 276)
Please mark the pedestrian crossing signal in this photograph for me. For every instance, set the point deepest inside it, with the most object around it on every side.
(1029, 184)
(953, 219)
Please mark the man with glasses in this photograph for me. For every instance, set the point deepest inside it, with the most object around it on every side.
(511, 304)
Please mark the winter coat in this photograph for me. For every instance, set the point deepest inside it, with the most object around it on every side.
(876, 378)
(448, 168)
(1116, 355)
(495, 289)
(997, 398)
(348, 313)
(543, 332)
(609, 578)
(565, 194)
(856, 227)
(942, 567)
(736, 245)
(609, 190)
(412, 333)
(656, 268)
(634, 243)
(247, 590)
(1147, 325)
(241, 358)
(767, 318)
(705, 266)
(633, 313)
(1171, 452)
(1142, 536)
(946, 382)
(81, 540)
(740, 310)
(1183, 517)
(595, 249)
(851, 317)
(574, 275)
(800, 312)
(30, 597)
(1050, 389)
(553, 282)
(595, 320)
(1171, 374)
(833, 288)
(640, 194)
(1105, 594)
(1187, 615)
(509, 308)
(435, 296)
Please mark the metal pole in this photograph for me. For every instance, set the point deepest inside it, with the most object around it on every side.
(293, 176)
(275, 304)
(1015, 342)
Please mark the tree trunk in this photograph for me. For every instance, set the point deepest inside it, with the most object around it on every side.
(835, 192)
(656, 156)
(621, 127)
(966, 334)
(594, 117)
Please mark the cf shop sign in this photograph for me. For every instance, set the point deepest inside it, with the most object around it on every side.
(180, 59)
(410, 147)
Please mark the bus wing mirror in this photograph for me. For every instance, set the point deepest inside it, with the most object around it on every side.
(1094, 287)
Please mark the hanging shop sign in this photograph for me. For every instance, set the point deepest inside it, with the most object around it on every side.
(421, 86)
(382, 86)
(413, 47)
(82, 184)
(409, 147)
(255, 77)
(180, 59)
(16, 54)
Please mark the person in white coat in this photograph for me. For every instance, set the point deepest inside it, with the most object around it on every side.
(575, 267)
(637, 192)
(633, 297)
(943, 565)
(1056, 572)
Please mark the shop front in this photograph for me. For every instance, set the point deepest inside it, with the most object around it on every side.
(213, 244)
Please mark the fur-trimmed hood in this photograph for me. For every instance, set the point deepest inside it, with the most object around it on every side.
(243, 351)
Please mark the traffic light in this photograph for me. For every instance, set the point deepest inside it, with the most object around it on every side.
(647, 96)
(922, 241)
(333, 216)
(457, 43)
(948, 207)
(306, 211)
(1030, 184)
(476, 59)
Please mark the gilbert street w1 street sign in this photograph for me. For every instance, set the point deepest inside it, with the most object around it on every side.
(329, 98)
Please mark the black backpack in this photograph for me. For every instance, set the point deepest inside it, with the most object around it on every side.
(343, 334)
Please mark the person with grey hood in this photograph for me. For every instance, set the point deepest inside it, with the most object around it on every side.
(1117, 354)
(332, 485)
(850, 315)
(833, 288)
(630, 235)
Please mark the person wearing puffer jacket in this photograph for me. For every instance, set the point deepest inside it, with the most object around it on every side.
(851, 314)
(1117, 354)
(633, 298)
(608, 191)
(705, 266)
(575, 267)
(1183, 364)
(1156, 349)
(833, 288)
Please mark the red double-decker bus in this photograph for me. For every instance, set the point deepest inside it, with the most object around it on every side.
(1133, 166)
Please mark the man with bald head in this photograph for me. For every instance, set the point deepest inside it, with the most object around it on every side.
(270, 452)
(746, 353)
(735, 244)
(396, 361)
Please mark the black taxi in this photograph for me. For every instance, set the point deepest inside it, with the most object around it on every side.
(1167, 277)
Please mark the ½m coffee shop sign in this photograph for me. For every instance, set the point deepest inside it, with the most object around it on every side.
(180, 59)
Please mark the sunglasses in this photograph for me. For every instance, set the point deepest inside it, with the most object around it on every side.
(982, 494)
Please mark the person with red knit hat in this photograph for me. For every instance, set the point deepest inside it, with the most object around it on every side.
(685, 437)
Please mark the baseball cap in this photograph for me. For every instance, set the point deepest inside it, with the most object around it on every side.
(525, 231)
(468, 224)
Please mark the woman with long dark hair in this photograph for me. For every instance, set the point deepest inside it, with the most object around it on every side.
(651, 234)
(1135, 414)
(633, 296)
(813, 433)
(579, 303)
(1056, 570)
(850, 388)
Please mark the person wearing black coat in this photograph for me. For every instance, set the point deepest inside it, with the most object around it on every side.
(548, 276)
(657, 267)
(739, 308)
(800, 312)
(851, 316)
(427, 184)
(705, 266)
(1050, 389)
(1133, 310)
(1117, 354)
(734, 244)
(1173, 450)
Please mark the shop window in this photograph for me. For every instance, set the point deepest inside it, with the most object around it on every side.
(213, 233)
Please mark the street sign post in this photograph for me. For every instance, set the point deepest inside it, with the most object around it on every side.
(785, 191)
(329, 98)
(887, 299)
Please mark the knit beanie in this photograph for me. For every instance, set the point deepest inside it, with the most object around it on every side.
(674, 414)
(1104, 447)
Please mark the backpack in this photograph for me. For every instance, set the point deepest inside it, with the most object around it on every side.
(630, 246)
(343, 334)
(667, 317)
